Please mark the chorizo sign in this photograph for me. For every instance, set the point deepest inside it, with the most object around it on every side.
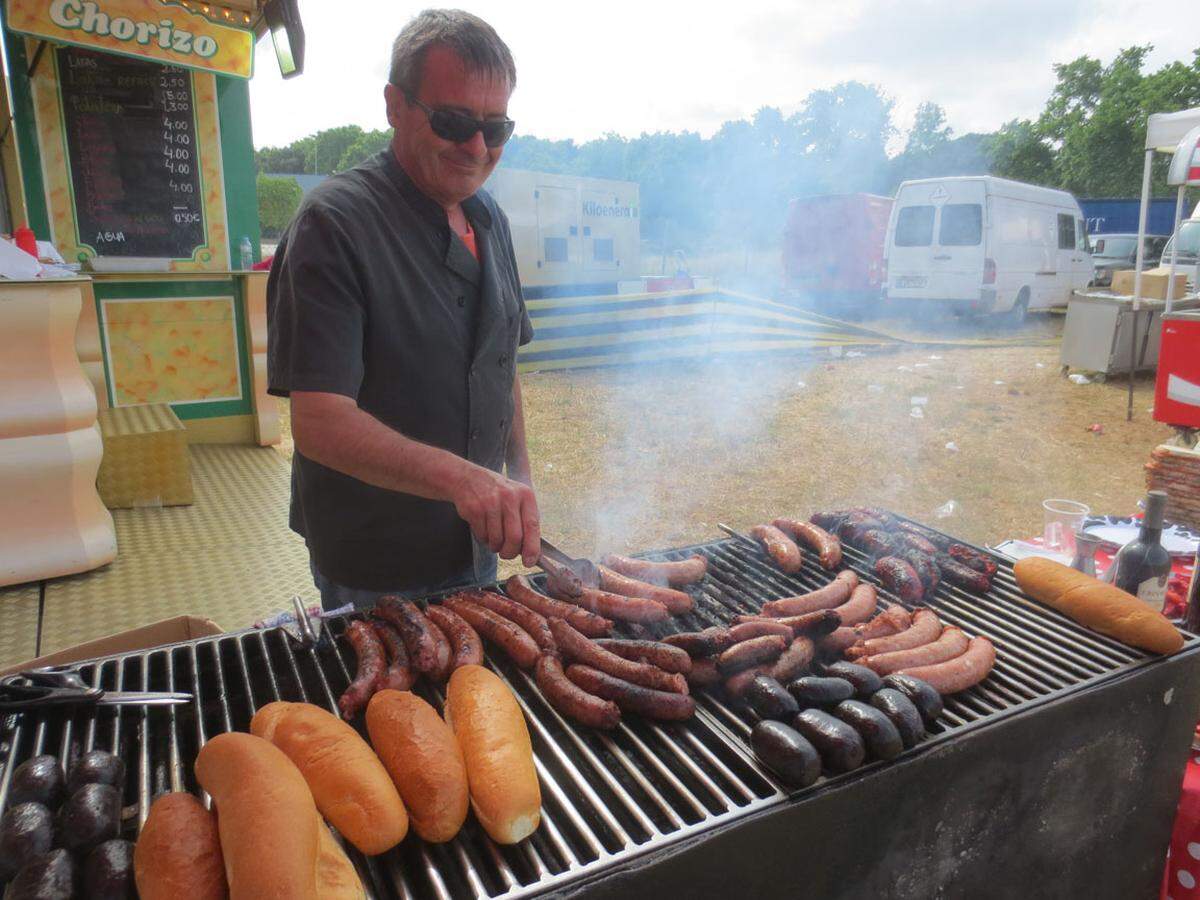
(150, 29)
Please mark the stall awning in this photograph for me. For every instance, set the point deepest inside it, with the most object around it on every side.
(1164, 131)
(170, 33)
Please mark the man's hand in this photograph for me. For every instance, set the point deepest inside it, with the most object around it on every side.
(502, 513)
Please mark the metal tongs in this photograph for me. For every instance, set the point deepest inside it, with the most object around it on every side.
(41, 688)
(734, 533)
(569, 574)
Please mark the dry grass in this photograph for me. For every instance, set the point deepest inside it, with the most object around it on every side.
(653, 456)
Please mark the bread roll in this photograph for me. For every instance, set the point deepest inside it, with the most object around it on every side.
(1096, 605)
(495, 744)
(178, 853)
(423, 757)
(266, 817)
(351, 787)
(336, 876)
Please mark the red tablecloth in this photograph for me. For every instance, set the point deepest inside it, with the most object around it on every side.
(1182, 877)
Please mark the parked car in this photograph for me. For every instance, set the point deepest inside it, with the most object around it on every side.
(1187, 256)
(980, 244)
(1111, 252)
(833, 248)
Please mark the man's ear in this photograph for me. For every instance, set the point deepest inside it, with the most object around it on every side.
(395, 100)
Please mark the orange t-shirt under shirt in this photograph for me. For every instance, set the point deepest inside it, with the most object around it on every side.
(469, 240)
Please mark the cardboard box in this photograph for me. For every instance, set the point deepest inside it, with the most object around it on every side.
(1154, 283)
(167, 631)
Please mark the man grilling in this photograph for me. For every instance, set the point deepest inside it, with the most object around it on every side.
(395, 316)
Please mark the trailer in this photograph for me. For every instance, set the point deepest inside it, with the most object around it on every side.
(833, 247)
(572, 235)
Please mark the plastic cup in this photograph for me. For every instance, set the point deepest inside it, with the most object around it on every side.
(1061, 519)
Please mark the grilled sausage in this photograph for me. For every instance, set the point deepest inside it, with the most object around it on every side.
(781, 548)
(940, 542)
(865, 681)
(749, 627)
(892, 620)
(794, 661)
(661, 705)
(674, 573)
(371, 665)
(961, 575)
(534, 624)
(736, 685)
(860, 606)
(566, 581)
(926, 569)
(971, 557)
(960, 673)
(927, 701)
(677, 602)
(504, 633)
(614, 606)
(414, 631)
(698, 644)
(812, 691)
(838, 642)
(570, 699)
(466, 649)
(442, 671)
(952, 643)
(786, 752)
(769, 700)
(826, 545)
(753, 652)
(840, 746)
(577, 648)
(907, 540)
(814, 624)
(876, 542)
(926, 627)
(878, 732)
(704, 673)
(903, 713)
(519, 588)
(656, 653)
(900, 578)
(833, 594)
(398, 676)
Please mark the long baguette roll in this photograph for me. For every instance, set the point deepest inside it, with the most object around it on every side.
(422, 755)
(178, 853)
(1096, 605)
(351, 787)
(336, 876)
(269, 826)
(499, 756)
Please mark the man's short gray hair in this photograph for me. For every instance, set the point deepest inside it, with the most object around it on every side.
(473, 40)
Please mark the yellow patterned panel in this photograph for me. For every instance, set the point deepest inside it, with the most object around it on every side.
(212, 256)
(171, 350)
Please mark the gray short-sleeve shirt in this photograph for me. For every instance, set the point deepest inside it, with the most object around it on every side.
(372, 296)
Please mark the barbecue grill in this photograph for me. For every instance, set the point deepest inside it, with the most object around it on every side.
(1074, 740)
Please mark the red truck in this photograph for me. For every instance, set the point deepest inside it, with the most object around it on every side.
(833, 248)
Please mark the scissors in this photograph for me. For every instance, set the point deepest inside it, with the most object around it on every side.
(41, 688)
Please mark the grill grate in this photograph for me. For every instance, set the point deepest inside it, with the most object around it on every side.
(608, 797)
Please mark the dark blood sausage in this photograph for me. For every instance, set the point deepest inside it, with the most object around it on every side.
(769, 700)
(785, 751)
(927, 701)
(781, 548)
(570, 699)
(833, 594)
(704, 673)
(794, 661)
(840, 745)
(504, 633)
(533, 623)
(751, 653)
(398, 676)
(697, 644)
(907, 540)
(879, 733)
(466, 649)
(865, 681)
(749, 627)
(813, 624)
(951, 644)
(812, 691)
(962, 576)
(635, 698)
(892, 620)
(656, 653)
(674, 573)
(960, 673)
(578, 648)
(519, 588)
(903, 713)
(826, 545)
(926, 627)
(972, 558)
(614, 606)
(900, 578)
(940, 542)
(925, 568)
(876, 542)
(371, 665)
(860, 606)
(677, 602)
(414, 630)
(737, 684)
(444, 666)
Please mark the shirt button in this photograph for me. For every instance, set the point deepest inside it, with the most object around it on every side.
(474, 434)
(462, 301)
(504, 359)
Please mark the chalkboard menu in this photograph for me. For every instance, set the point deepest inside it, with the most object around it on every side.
(134, 159)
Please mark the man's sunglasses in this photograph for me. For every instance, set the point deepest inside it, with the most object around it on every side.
(459, 128)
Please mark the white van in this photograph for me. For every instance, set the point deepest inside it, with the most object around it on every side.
(984, 244)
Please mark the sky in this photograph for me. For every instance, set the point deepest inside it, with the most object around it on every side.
(629, 67)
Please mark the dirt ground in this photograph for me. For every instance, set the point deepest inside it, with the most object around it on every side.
(654, 456)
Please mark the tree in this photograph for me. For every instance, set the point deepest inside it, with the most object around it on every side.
(845, 131)
(364, 147)
(278, 200)
(929, 133)
(289, 159)
(1018, 151)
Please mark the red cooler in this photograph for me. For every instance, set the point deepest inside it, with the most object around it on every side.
(1177, 393)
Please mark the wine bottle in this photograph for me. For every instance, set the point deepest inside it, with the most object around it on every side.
(1142, 567)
